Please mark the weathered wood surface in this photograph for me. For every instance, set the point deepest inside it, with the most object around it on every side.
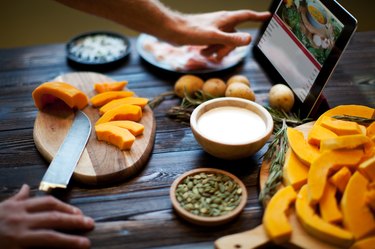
(137, 213)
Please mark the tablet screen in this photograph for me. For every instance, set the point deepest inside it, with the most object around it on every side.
(302, 43)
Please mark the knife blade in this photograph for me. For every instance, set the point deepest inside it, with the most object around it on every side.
(63, 164)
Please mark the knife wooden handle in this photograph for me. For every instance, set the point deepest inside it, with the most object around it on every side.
(249, 239)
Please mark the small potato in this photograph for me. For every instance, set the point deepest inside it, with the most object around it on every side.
(214, 87)
(189, 84)
(240, 90)
(281, 97)
(239, 78)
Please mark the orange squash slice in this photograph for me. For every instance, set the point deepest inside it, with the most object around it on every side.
(48, 92)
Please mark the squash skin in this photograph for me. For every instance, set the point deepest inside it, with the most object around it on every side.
(120, 137)
(329, 209)
(109, 86)
(316, 226)
(332, 160)
(294, 171)
(275, 220)
(69, 94)
(304, 151)
(106, 97)
(142, 102)
(341, 178)
(123, 112)
(357, 216)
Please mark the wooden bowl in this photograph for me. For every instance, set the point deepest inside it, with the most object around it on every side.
(232, 150)
(203, 220)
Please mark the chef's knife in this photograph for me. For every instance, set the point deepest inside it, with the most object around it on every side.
(64, 162)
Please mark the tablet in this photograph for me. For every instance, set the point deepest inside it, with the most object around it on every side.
(301, 45)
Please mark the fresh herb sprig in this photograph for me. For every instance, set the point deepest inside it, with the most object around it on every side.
(275, 156)
(359, 120)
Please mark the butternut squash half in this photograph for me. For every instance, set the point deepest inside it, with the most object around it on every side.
(357, 216)
(344, 142)
(275, 219)
(329, 161)
(367, 243)
(48, 92)
(316, 226)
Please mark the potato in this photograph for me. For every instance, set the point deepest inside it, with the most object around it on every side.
(240, 90)
(214, 87)
(189, 84)
(281, 97)
(239, 78)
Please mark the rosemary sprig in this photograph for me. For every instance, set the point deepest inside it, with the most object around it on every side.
(291, 119)
(359, 120)
(275, 155)
(180, 114)
(155, 102)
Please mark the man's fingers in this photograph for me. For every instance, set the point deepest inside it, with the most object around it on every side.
(53, 239)
(49, 203)
(60, 221)
(22, 194)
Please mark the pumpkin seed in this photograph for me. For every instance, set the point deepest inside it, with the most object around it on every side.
(208, 195)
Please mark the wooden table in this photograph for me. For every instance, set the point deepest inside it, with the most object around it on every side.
(137, 213)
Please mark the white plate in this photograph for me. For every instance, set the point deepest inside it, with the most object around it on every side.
(162, 59)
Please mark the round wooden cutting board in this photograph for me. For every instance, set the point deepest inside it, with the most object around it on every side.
(100, 163)
(257, 237)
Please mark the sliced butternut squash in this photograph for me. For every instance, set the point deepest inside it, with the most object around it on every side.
(123, 112)
(341, 178)
(294, 171)
(135, 128)
(319, 133)
(370, 198)
(351, 110)
(370, 131)
(344, 142)
(105, 97)
(109, 86)
(329, 209)
(316, 226)
(275, 220)
(367, 169)
(120, 137)
(329, 161)
(304, 151)
(48, 92)
(357, 216)
(341, 127)
(368, 243)
(142, 102)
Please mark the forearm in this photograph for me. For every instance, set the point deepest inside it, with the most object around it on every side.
(148, 16)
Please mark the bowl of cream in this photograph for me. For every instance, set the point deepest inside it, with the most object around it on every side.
(231, 128)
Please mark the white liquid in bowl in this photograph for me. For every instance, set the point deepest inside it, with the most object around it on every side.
(231, 125)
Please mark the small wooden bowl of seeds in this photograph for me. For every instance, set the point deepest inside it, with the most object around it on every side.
(208, 196)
